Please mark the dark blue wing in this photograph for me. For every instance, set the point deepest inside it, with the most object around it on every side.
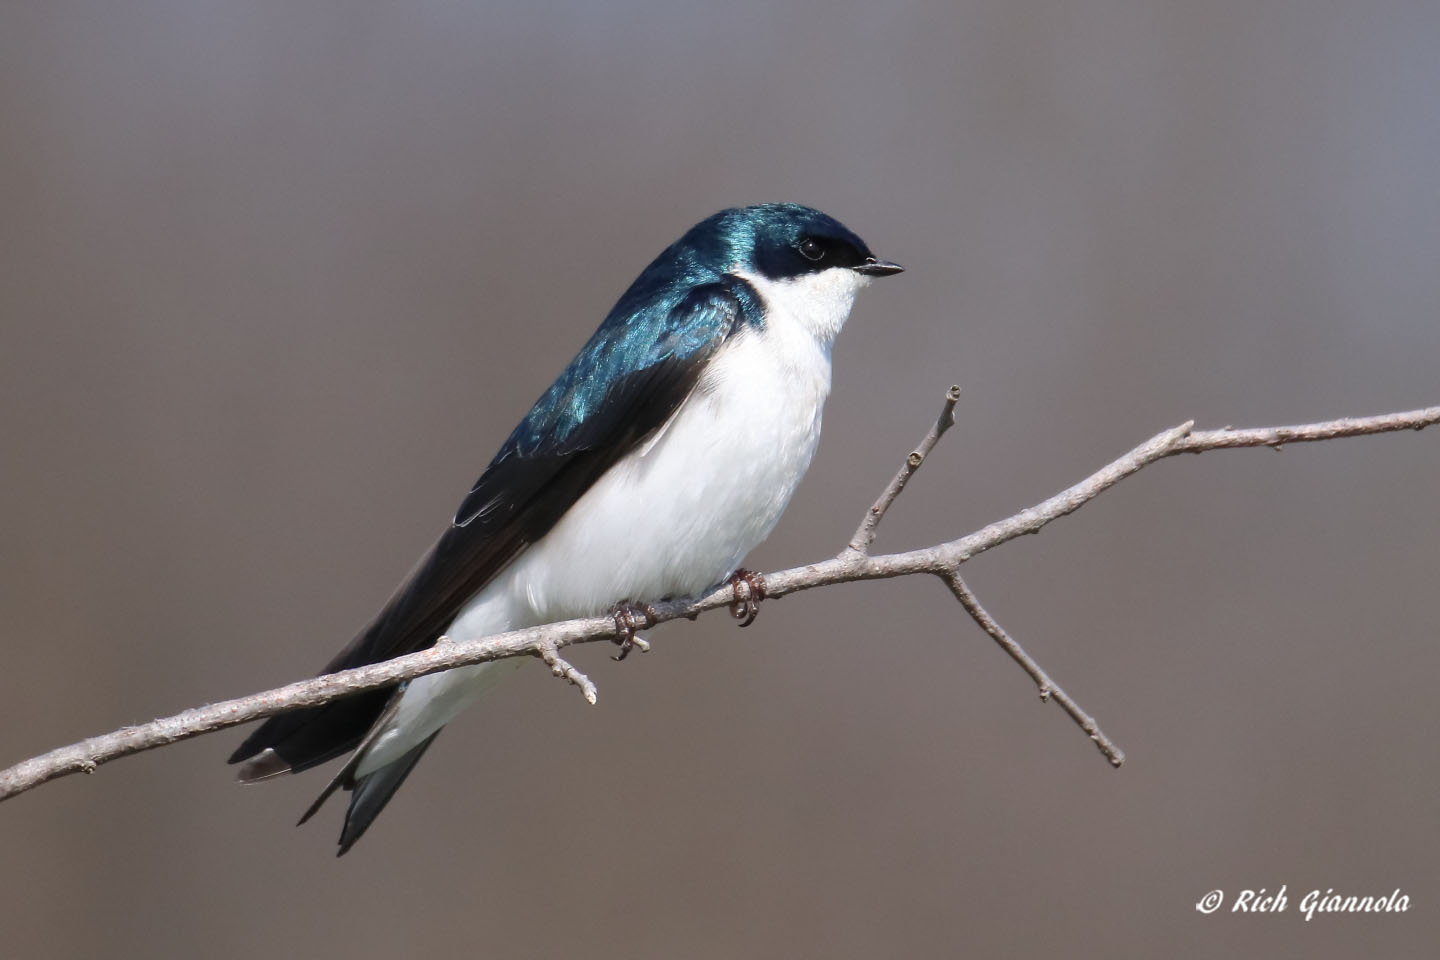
(633, 374)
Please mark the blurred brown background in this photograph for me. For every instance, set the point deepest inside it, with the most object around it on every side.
(276, 279)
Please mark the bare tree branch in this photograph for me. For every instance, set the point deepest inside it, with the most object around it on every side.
(1049, 689)
(865, 533)
(940, 560)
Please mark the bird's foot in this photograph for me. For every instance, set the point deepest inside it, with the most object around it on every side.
(630, 617)
(746, 604)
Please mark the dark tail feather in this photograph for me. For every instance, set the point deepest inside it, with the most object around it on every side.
(341, 779)
(372, 792)
(345, 777)
(308, 737)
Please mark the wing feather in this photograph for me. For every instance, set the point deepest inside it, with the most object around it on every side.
(624, 385)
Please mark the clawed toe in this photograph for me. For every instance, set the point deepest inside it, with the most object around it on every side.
(630, 617)
(746, 605)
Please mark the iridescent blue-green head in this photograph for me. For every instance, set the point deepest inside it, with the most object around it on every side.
(772, 257)
(781, 241)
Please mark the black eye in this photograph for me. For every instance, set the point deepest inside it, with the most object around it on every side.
(811, 249)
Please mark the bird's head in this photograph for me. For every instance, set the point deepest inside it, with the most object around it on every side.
(799, 261)
(786, 242)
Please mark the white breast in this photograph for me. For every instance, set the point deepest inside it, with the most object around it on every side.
(680, 513)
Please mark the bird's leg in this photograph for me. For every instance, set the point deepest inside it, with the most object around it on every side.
(629, 617)
(747, 605)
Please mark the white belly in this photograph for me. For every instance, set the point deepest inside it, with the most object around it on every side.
(680, 513)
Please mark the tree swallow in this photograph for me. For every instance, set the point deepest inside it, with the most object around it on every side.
(665, 451)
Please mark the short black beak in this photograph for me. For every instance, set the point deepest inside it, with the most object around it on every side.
(878, 268)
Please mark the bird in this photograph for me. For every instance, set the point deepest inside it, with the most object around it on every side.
(663, 453)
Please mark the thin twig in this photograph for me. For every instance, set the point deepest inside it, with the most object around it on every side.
(564, 669)
(87, 755)
(1049, 689)
(1203, 440)
(865, 534)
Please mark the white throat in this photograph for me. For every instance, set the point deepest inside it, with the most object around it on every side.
(817, 303)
